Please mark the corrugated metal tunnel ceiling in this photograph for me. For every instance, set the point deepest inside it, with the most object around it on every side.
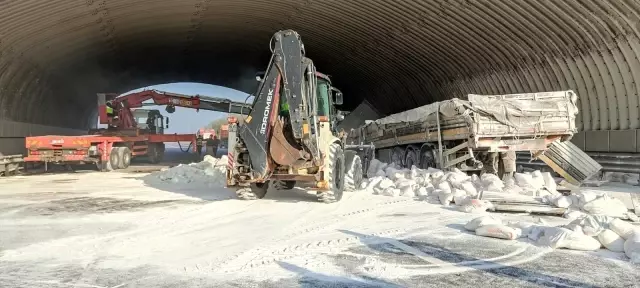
(56, 54)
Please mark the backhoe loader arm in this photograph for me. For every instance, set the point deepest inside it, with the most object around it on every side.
(287, 70)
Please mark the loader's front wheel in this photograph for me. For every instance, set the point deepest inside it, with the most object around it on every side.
(335, 177)
(254, 191)
(354, 174)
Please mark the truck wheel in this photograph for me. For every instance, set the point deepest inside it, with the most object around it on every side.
(335, 178)
(160, 147)
(114, 159)
(412, 157)
(124, 157)
(112, 163)
(254, 191)
(353, 177)
(283, 185)
(397, 156)
(155, 152)
(427, 159)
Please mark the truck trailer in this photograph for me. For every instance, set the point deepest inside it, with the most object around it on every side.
(482, 132)
(131, 131)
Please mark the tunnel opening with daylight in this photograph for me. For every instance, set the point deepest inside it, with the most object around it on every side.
(55, 55)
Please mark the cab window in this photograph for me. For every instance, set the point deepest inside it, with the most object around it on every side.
(323, 98)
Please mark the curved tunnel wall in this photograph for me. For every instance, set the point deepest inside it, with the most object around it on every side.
(56, 55)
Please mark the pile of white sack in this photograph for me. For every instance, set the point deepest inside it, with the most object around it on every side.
(593, 203)
(453, 187)
(456, 187)
(586, 233)
(211, 172)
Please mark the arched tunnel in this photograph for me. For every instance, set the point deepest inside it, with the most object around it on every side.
(55, 55)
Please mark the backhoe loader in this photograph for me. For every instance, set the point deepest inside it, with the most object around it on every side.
(289, 137)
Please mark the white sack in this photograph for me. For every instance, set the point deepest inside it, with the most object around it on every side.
(421, 192)
(491, 182)
(419, 180)
(550, 183)
(391, 191)
(475, 206)
(511, 187)
(373, 182)
(429, 188)
(525, 181)
(592, 225)
(606, 205)
(537, 180)
(386, 183)
(632, 216)
(632, 248)
(587, 196)
(524, 226)
(535, 232)
(482, 221)
(572, 215)
(556, 237)
(444, 197)
(395, 174)
(401, 183)
(373, 168)
(611, 241)
(444, 186)
(562, 202)
(469, 188)
(459, 196)
(499, 231)
(622, 228)
(407, 191)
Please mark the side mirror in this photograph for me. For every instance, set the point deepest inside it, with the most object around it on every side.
(337, 96)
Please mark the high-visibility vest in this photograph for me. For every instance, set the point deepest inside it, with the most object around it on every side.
(109, 110)
(284, 107)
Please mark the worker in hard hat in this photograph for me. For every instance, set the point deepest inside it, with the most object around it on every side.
(212, 145)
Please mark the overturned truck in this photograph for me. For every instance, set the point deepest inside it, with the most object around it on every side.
(480, 133)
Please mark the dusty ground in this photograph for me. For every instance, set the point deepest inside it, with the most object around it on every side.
(90, 229)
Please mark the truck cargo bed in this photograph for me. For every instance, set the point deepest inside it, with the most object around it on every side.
(495, 120)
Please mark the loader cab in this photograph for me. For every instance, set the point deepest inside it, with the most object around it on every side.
(328, 97)
(150, 120)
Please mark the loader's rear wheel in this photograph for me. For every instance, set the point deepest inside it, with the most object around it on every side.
(254, 191)
(353, 176)
(124, 157)
(283, 185)
(335, 178)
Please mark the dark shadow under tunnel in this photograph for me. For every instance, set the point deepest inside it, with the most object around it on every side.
(55, 55)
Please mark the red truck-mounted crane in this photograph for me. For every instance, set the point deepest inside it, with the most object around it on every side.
(129, 133)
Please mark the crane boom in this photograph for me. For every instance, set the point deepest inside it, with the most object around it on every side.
(122, 105)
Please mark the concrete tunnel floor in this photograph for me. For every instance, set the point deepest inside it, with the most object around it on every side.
(63, 230)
